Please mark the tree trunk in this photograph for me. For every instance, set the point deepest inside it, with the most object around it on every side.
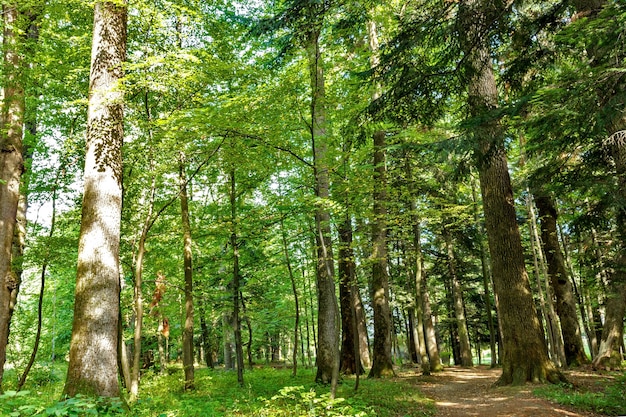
(465, 351)
(560, 282)
(93, 367)
(556, 349)
(294, 290)
(350, 363)
(486, 272)
(236, 275)
(327, 319)
(525, 355)
(609, 353)
(187, 262)
(11, 166)
(382, 364)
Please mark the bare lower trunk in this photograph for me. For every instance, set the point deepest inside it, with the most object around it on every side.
(560, 282)
(525, 355)
(187, 261)
(382, 364)
(350, 362)
(328, 315)
(11, 167)
(465, 351)
(486, 272)
(553, 330)
(93, 366)
(234, 243)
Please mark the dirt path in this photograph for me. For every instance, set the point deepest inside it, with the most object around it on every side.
(470, 392)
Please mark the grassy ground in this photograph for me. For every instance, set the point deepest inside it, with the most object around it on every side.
(266, 392)
(602, 393)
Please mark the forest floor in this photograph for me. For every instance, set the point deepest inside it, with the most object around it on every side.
(471, 392)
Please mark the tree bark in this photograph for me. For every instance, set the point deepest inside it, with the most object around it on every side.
(610, 350)
(328, 316)
(236, 281)
(350, 362)
(93, 366)
(555, 346)
(11, 166)
(187, 262)
(382, 363)
(525, 355)
(465, 351)
(560, 282)
(486, 272)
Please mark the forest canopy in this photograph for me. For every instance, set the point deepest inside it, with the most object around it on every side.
(347, 186)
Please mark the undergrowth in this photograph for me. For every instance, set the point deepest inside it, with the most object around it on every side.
(266, 392)
(608, 399)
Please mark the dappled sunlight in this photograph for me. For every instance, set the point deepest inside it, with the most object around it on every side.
(471, 392)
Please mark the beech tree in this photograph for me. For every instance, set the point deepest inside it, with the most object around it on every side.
(11, 164)
(93, 366)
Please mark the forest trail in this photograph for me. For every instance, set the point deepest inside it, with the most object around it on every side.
(471, 392)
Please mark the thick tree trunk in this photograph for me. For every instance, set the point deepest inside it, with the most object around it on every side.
(11, 167)
(382, 364)
(465, 351)
(328, 315)
(93, 366)
(187, 263)
(525, 355)
(560, 282)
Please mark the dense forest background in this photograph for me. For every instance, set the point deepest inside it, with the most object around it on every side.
(344, 185)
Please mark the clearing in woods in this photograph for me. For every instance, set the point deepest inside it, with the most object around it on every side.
(471, 392)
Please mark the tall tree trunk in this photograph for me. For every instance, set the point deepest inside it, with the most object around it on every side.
(206, 342)
(610, 350)
(350, 362)
(187, 262)
(93, 367)
(11, 165)
(382, 363)
(294, 290)
(465, 351)
(556, 348)
(429, 351)
(236, 275)
(486, 272)
(525, 355)
(560, 282)
(327, 319)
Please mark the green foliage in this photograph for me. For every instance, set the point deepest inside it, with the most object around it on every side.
(296, 401)
(268, 392)
(24, 403)
(610, 400)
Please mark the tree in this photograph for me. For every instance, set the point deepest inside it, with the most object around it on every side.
(560, 282)
(381, 364)
(93, 366)
(188, 358)
(11, 163)
(525, 355)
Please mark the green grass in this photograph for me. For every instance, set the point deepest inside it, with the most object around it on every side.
(267, 392)
(608, 399)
